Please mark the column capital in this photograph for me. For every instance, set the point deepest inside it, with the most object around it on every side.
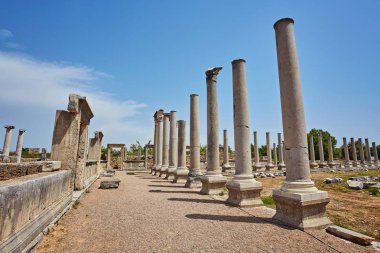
(212, 73)
(283, 20)
(9, 127)
(21, 131)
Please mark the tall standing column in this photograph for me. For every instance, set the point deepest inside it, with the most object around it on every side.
(153, 170)
(165, 152)
(281, 164)
(243, 189)
(139, 154)
(269, 164)
(354, 155)
(213, 181)
(331, 154)
(274, 155)
(322, 162)
(368, 151)
(193, 178)
(298, 202)
(347, 162)
(361, 153)
(226, 159)
(173, 146)
(20, 142)
(160, 133)
(7, 142)
(313, 164)
(108, 158)
(257, 164)
(146, 157)
(375, 156)
(180, 175)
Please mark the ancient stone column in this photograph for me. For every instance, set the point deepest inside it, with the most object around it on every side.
(281, 164)
(368, 149)
(165, 152)
(361, 152)
(331, 154)
(347, 162)
(243, 189)
(322, 162)
(153, 170)
(298, 202)
(274, 155)
(108, 158)
(180, 175)
(193, 178)
(173, 146)
(354, 156)
(226, 156)
(269, 164)
(139, 154)
(375, 156)
(313, 164)
(213, 181)
(257, 164)
(43, 154)
(7, 141)
(20, 142)
(160, 139)
(146, 157)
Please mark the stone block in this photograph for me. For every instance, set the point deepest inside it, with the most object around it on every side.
(356, 185)
(213, 185)
(244, 194)
(350, 235)
(110, 183)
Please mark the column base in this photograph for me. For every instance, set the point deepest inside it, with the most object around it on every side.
(281, 166)
(313, 165)
(301, 210)
(226, 167)
(157, 171)
(163, 171)
(170, 173)
(331, 165)
(269, 166)
(180, 175)
(244, 193)
(257, 166)
(322, 165)
(355, 164)
(194, 180)
(213, 184)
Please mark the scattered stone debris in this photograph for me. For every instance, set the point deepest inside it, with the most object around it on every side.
(110, 183)
(333, 180)
(362, 182)
(269, 174)
(355, 185)
(350, 235)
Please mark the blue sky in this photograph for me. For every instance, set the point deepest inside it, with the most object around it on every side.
(131, 58)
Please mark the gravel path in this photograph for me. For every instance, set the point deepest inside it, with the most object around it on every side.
(148, 214)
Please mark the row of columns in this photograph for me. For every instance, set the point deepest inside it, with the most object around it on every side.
(7, 143)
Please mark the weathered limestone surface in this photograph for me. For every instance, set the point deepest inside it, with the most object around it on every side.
(226, 156)
(110, 183)
(322, 162)
(213, 181)
(347, 162)
(257, 164)
(180, 175)
(368, 152)
(313, 164)
(243, 189)
(281, 164)
(361, 153)
(269, 164)
(173, 146)
(153, 169)
(29, 204)
(159, 117)
(20, 141)
(354, 155)
(193, 179)
(7, 142)
(298, 202)
(117, 163)
(350, 235)
(330, 162)
(95, 149)
(165, 150)
(375, 156)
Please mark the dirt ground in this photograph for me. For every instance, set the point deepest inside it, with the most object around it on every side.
(357, 210)
(149, 214)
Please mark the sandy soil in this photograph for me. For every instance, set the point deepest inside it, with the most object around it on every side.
(148, 214)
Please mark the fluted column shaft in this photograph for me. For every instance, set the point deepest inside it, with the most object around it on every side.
(354, 155)
(173, 146)
(368, 149)
(20, 141)
(7, 140)
(256, 148)
(375, 156)
(195, 150)
(361, 151)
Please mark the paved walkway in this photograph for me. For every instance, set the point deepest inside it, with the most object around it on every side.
(148, 214)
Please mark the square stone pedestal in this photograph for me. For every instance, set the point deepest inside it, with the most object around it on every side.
(163, 172)
(157, 171)
(322, 165)
(257, 167)
(313, 165)
(194, 180)
(269, 166)
(170, 173)
(244, 193)
(226, 167)
(213, 184)
(302, 210)
(180, 175)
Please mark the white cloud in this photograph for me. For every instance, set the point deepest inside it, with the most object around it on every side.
(37, 85)
(5, 34)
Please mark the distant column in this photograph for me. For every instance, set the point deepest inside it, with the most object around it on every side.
(281, 164)
(7, 141)
(274, 154)
(331, 154)
(173, 146)
(160, 140)
(108, 158)
(153, 170)
(321, 163)
(354, 156)
(213, 181)
(180, 175)
(257, 164)
(43, 154)
(313, 164)
(298, 202)
(269, 164)
(193, 179)
(243, 189)
(165, 152)
(20, 142)
(368, 149)
(226, 159)
(347, 162)
(146, 157)
(375, 156)
(361, 153)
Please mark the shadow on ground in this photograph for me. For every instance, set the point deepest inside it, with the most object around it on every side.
(206, 201)
(160, 191)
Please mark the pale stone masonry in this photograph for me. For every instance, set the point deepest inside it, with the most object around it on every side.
(95, 149)
(330, 162)
(269, 164)
(361, 153)
(213, 181)
(180, 175)
(368, 151)
(281, 164)
(159, 116)
(173, 146)
(375, 156)
(153, 169)
(322, 162)
(243, 189)
(313, 164)
(256, 165)
(274, 155)
(347, 162)
(193, 178)
(226, 159)
(165, 150)
(20, 141)
(7, 141)
(298, 202)
(354, 155)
